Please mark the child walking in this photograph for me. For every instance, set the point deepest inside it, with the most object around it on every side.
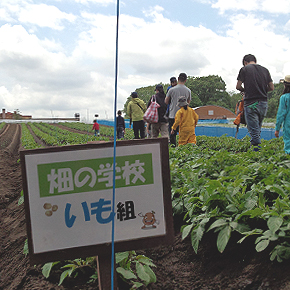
(186, 119)
(283, 114)
(96, 127)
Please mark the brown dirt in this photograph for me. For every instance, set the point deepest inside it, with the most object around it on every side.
(178, 267)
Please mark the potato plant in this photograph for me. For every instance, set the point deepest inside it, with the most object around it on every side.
(221, 185)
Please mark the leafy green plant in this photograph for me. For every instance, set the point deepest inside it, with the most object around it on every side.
(221, 185)
(71, 269)
(21, 198)
(135, 269)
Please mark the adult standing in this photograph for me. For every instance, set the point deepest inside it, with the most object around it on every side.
(257, 83)
(135, 110)
(283, 114)
(160, 127)
(180, 90)
(120, 125)
(173, 83)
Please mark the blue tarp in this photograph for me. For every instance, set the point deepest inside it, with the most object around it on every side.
(214, 131)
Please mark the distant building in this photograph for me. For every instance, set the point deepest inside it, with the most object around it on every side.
(9, 115)
(213, 112)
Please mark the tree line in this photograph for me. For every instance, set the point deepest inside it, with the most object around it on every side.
(211, 90)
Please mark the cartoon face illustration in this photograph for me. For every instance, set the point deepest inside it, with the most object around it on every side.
(149, 220)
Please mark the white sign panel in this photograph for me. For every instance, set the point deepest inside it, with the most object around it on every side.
(70, 196)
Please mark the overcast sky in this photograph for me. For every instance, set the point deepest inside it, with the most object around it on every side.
(57, 57)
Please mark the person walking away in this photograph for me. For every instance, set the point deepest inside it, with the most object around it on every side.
(162, 126)
(283, 115)
(257, 83)
(96, 127)
(120, 125)
(186, 119)
(172, 97)
(173, 83)
(135, 110)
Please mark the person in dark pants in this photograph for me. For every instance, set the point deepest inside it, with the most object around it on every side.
(173, 83)
(255, 81)
(120, 125)
(135, 110)
(180, 90)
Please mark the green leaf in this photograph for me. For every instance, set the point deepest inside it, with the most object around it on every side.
(136, 285)
(146, 261)
(218, 223)
(262, 245)
(274, 223)
(21, 200)
(186, 230)
(151, 274)
(64, 275)
(141, 272)
(46, 269)
(223, 238)
(121, 256)
(127, 274)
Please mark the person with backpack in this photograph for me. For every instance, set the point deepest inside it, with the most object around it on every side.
(120, 125)
(255, 81)
(186, 119)
(161, 126)
(135, 110)
(283, 115)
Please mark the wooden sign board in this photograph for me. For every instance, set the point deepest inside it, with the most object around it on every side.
(68, 194)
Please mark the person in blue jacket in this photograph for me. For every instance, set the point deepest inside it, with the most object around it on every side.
(283, 114)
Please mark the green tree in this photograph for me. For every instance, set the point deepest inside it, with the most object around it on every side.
(210, 90)
(273, 100)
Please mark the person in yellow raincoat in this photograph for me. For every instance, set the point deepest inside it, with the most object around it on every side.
(186, 119)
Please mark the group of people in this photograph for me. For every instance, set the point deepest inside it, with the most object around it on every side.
(174, 113)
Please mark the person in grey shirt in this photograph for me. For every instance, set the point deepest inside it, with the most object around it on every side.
(180, 90)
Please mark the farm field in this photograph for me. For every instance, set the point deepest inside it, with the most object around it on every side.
(220, 191)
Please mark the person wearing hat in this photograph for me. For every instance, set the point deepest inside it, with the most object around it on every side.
(283, 114)
(255, 82)
(135, 110)
(186, 119)
(173, 83)
(161, 126)
(172, 97)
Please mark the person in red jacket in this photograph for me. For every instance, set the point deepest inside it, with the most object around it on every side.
(96, 127)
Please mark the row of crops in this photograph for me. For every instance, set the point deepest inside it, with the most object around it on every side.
(219, 185)
(53, 135)
(222, 186)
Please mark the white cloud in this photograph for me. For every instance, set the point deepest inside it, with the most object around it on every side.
(269, 6)
(45, 16)
(40, 76)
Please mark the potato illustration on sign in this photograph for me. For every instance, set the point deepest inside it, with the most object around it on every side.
(50, 209)
(149, 220)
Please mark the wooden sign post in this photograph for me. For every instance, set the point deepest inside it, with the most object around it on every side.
(68, 200)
